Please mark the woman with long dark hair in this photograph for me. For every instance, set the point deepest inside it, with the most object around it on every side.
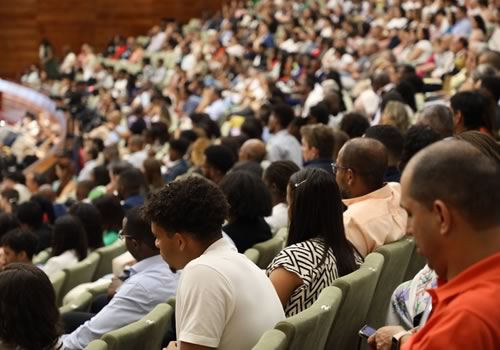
(317, 251)
(29, 318)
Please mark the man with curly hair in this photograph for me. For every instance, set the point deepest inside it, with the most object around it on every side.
(224, 301)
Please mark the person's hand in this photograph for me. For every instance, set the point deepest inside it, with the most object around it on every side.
(171, 346)
(113, 287)
(382, 340)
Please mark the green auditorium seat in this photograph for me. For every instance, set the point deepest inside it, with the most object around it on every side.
(57, 280)
(83, 272)
(97, 345)
(42, 257)
(417, 263)
(253, 254)
(107, 255)
(82, 303)
(310, 328)
(272, 340)
(268, 251)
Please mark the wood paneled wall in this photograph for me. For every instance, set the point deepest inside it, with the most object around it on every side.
(23, 23)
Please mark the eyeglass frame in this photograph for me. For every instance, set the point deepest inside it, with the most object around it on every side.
(335, 167)
(122, 236)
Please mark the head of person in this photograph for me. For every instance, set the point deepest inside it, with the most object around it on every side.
(252, 128)
(395, 113)
(115, 169)
(83, 189)
(19, 246)
(316, 211)
(318, 142)
(254, 150)
(452, 211)
(30, 214)
(186, 218)
(100, 176)
(354, 124)
(111, 210)
(136, 143)
(340, 139)
(91, 219)
(439, 117)
(483, 142)
(131, 182)
(391, 137)
(470, 111)
(281, 116)
(178, 149)
(247, 195)
(417, 138)
(137, 234)
(7, 222)
(69, 234)
(319, 114)
(29, 317)
(152, 173)
(360, 167)
(218, 161)
(249, 166)
(9, 199)
(90, 153)
(276, 178)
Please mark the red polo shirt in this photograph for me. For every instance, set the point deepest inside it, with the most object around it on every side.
(466, 311)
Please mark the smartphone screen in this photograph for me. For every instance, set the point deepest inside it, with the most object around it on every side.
(367, 332)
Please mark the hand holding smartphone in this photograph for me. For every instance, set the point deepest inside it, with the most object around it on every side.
(366, 332)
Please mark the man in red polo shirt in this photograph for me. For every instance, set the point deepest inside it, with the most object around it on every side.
(452, 194)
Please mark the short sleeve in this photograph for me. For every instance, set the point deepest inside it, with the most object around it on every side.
(204, 305)
(295, 259)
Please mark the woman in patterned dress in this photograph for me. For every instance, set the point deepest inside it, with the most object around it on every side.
(317, 251)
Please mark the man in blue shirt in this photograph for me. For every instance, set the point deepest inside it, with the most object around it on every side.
(150, 282)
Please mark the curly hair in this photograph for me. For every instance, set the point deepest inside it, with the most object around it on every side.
(29, 318)
(194, 206)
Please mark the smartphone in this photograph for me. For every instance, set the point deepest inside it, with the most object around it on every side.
(367, 332)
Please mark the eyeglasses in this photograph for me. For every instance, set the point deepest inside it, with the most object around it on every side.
(335, 166)
(122, 236)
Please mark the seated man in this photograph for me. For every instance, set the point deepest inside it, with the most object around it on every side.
(373, 216)
(224, 301)
(458, 233)
(19, 246)
(150, 282)
(318, 142)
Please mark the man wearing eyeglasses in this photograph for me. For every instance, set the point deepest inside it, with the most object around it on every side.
(374, 216)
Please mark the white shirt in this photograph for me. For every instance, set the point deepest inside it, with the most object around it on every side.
(156, 42)
(63, 261)
(279, 217)
(86, 172)
(283, 146)
(137, 158)
(224, 300)
(151, 282)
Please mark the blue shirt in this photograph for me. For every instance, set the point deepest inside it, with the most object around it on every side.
(151, 282)
(132, 202)
(283, 146)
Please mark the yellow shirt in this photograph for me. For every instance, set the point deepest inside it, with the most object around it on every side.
(375, 219)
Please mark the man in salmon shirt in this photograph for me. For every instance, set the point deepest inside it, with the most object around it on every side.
(452, 194)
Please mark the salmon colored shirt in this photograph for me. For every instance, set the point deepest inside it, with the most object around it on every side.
(466, 311)
(375, 219)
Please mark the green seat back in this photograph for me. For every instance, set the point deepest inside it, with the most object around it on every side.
(97, 344)
(396, 258)
(252, 254)
(57, 280)
(83, 272)
(82, 303)
(357, 293)
(310, 328)
(146, 333)
(282, 234)
(268, 251)
(42, 257)
(107, 255)
(417, 263)
(272, 340)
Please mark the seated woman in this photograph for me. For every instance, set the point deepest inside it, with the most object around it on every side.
(92, 223)
(276, 178)
(29, 318)
(250, 202)
(112, 217)
(317, 251)
(69, 245)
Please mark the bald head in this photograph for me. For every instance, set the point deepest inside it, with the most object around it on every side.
(458, 174)
(254, 150)
(367, 158)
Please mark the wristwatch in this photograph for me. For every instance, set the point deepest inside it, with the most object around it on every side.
(396, 339)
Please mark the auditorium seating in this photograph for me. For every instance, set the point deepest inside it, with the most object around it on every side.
(97, 344)
(272, 340)
(81, 303)
(42, 257)
(57, 279)
(267, 251)
(253, 254)
(107, 254)
(82, 272)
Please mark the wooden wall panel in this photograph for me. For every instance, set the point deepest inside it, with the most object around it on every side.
(23, 23)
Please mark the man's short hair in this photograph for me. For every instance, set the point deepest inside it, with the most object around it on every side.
(460, 175)
(194, 206)
(320, 137)
(30, 213)
(474, 109)
(219, 157)
(180, 145)
(417, 138)
(139, 227)
(284, 113)
(354, 124)
(320, 112)
(132, 180)
(279, 172)
(368, 159)
(20, 240)
(390, 136)
(439, 117)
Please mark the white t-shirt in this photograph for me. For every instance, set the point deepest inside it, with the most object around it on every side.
(279, 217)
(224, 300)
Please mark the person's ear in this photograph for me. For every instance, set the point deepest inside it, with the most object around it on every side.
(443, 216)
(316, 152)
(350, 177)
(180, 242)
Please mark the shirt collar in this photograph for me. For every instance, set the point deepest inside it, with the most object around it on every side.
(217, 246)
(482, 271)
(383, 192)
(146, 264)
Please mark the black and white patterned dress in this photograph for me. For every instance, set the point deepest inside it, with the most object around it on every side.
(304, 259)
